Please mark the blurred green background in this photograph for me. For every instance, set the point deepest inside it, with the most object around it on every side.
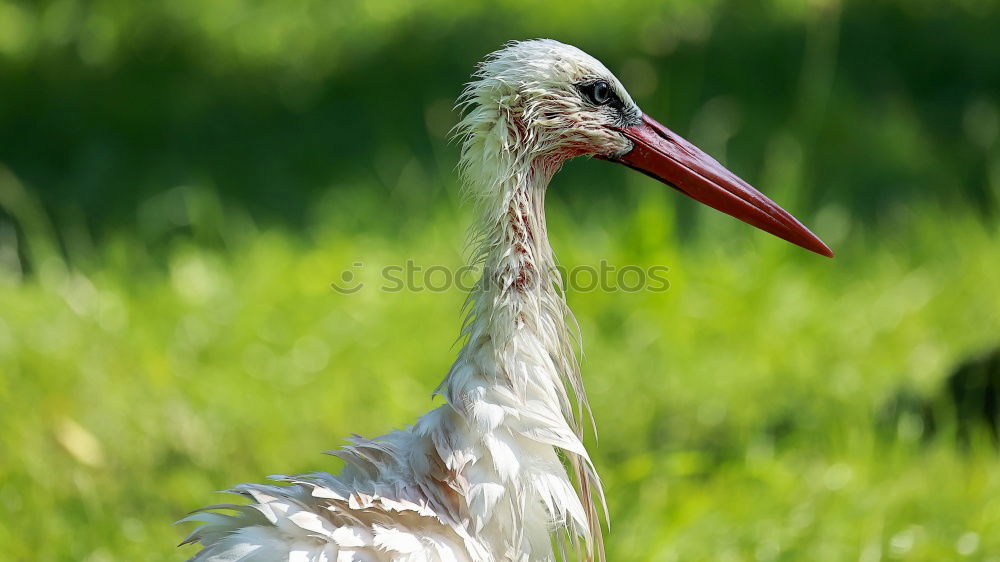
(182, 181)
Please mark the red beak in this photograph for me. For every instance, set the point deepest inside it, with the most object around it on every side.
(664, 155)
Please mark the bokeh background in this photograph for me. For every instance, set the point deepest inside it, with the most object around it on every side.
(181, 181)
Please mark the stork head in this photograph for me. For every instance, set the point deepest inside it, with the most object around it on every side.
(542, 102)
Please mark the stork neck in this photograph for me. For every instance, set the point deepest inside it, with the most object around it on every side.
(517, 340)
(513, 244)
(515, 388)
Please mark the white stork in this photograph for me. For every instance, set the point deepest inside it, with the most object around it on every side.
(498, 472)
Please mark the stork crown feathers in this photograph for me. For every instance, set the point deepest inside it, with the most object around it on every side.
(524, 108)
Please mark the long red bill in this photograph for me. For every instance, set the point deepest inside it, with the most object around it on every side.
(666, 156)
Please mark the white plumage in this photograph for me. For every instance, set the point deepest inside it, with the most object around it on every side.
(483, 477)
(499, 472)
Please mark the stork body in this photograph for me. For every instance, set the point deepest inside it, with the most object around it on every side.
(498, 472)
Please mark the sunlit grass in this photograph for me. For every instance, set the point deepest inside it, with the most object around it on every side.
(737, 409)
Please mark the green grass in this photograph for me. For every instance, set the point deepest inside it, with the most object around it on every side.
(736, 410)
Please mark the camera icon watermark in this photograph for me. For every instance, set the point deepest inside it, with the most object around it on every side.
(349, 282)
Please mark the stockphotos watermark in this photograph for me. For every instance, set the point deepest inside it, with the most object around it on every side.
(412, 277)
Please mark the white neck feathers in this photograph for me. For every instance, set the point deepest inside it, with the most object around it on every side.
(516, 382)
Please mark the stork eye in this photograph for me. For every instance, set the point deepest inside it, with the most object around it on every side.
(598, 93)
